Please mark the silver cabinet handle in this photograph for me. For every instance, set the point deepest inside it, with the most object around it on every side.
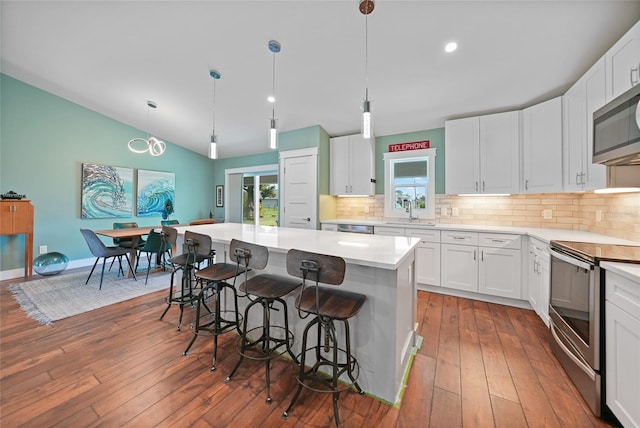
(476, 186)
(499, 240)
(474, 254)
(633, 82)
(526, 185)
(482, 255)
(459, 237)
(482, 185)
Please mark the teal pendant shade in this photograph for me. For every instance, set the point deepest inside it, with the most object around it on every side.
(50, 263)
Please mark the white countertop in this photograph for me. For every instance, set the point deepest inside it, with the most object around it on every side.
(630, 271)
(543, 234)
(386, 252)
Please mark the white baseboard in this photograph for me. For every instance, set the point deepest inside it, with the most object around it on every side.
(18, 273)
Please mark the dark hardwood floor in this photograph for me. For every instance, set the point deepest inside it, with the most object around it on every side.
(480, 365)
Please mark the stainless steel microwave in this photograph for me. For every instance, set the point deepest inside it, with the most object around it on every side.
(616, 130)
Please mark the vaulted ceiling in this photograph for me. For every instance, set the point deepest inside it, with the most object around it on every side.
(113, 56)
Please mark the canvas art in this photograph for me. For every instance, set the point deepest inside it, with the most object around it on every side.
(107, 191)
(156, 193)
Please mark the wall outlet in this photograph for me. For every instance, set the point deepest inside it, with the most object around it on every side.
(598, 215)
(454, 211)
(547, 214)
(43, 249)
(366, 209)
(443, 211)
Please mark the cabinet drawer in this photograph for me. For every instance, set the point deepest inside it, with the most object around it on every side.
(500, 240)
(426, 235)
(459, 237)
(623, 293)
(329, 226)
(392, 231)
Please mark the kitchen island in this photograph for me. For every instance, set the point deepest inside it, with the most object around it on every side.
(380, 267)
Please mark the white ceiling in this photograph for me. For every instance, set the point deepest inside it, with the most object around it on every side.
(113, 56)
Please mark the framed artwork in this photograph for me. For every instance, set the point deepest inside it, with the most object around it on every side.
(156, 193)
(219, 196)
(106, 191)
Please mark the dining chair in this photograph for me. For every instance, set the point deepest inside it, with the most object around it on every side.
(101, 251)
(155, 244)
(169, 222)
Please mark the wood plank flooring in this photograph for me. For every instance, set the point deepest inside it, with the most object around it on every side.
(480, 365)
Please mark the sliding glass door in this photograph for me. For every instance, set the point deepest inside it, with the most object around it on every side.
(260, 198)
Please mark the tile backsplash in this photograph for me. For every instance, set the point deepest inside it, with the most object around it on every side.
(616, 215)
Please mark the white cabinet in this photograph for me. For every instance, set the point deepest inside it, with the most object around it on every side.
(579, 103)
(483, 154)
(542, 147)
(500, 266)
(486, 263)
(352, 165)
(623, 63)
(390, 231)
(427, 256)
(538, 276)
(622, 347)
(459, 260)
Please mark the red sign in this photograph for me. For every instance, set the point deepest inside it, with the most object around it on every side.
(416, 145)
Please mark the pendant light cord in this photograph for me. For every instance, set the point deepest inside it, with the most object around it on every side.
(273, 110)
(366, 57)
(214, 108)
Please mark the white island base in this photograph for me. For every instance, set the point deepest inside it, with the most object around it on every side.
(380, 267)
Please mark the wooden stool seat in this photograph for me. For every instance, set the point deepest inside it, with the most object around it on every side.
(269, 286)
(336, 304)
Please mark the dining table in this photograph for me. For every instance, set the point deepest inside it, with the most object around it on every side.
(135, 233)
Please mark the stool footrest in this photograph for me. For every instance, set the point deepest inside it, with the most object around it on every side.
(311, 376)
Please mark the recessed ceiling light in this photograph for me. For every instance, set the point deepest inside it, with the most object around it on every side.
(271, 99)
(450, 47)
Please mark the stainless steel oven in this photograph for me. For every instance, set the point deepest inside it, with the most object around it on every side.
(576, 310)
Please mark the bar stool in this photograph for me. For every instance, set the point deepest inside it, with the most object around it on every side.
(213, 280)
(198, 249)
(265, 290)
(327, 305)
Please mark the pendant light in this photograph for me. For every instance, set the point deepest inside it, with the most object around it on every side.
(213, 144)
(274, 47)
(366, 7)
(151, 144)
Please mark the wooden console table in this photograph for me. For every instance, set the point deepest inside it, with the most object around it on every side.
(16, 218)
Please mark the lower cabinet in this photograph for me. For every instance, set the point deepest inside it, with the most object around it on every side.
(427, 256)
(486, 263)
(622, 347)
(539, 280)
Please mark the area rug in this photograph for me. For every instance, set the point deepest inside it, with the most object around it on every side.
(56, 297)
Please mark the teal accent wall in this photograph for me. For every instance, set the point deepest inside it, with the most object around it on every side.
(43, 142)
(436, 139)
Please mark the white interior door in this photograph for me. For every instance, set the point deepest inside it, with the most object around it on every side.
(299, 188)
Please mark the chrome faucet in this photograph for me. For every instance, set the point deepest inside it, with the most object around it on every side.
(409, 208)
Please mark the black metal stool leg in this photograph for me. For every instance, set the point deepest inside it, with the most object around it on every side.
(301, 369)
(243, 339)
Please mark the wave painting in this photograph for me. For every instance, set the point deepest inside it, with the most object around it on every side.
(155, 188)
(107, 191)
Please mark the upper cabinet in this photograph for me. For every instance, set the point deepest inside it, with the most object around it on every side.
(542, 147)
(352, 165)
(623, 63)
(580, 101)
(482, 154)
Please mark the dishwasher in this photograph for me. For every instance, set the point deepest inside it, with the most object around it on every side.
(355, 228)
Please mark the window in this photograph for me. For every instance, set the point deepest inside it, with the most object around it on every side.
(410, 184)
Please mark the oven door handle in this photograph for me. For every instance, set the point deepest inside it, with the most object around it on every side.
(571, 260)
(581, 365)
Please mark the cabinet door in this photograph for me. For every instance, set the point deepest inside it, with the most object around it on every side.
(428, 263)
(594, 96)
(499, 272)
(23, 217)
(622, 347)
(459, 267)
(390, 231)
(6, 218)
(500, 153)
(574, 135)
(544, 285)
(361, 168)
(623, 60)
(462, 170)
(533, 278)
(339, 168)
(542, 147)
